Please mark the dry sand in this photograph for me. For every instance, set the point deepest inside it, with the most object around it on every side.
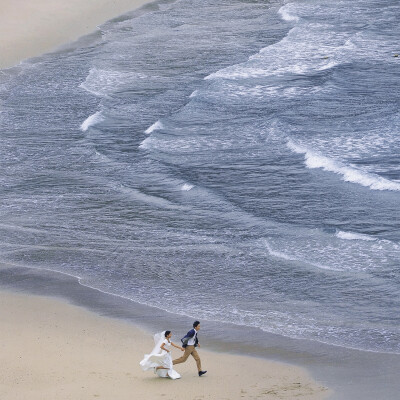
(53, 350)
(32, 27)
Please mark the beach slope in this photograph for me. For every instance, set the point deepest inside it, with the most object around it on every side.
(54, 350)
(30, 28)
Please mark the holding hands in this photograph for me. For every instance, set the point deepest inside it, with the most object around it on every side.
(178, 347)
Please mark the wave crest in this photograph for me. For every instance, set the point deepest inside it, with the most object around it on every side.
(105, 82)
(157, 125)
(348, 173)
(286, 13)
(353, 236)
(92, 120)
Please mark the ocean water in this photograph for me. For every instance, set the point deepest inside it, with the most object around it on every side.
(235, 161)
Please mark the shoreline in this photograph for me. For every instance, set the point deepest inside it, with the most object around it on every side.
(54, 349)
(50, 24)
(347, 373)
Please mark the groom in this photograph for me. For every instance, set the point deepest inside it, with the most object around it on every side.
(190, 342)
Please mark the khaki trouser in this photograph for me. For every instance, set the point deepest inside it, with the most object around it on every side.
(189, 350)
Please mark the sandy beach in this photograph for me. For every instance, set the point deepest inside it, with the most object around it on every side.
(31, 28)
(51, 349)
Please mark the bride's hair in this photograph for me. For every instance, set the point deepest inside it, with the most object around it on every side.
(167, 333)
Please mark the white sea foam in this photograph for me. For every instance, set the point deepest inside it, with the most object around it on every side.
(307, 48)
(304, 50)
(146, 143)
(279, 254)
(194, 94)
(157, 125)
(348, 173)
(92, 120)
(289, 257)
(138, 195)
(237, 72)
(103, 158)
(328, 65)
(286, 13)
(186, 187)
(105, 82)
(353, 236)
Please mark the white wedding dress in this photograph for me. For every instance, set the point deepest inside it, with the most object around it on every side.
(160, 358)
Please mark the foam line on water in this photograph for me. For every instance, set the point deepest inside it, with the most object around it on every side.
(186, 187)
(92, 120)
(156, 126)
(138, 195)
(287, 14)
(21, 228)
(106, 82)
(348, 173)
(145, 144)
(288, 257)
(353, 236)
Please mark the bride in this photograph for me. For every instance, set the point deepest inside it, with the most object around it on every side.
(160, 360)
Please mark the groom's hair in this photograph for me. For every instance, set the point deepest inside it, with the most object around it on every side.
(195, 323)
